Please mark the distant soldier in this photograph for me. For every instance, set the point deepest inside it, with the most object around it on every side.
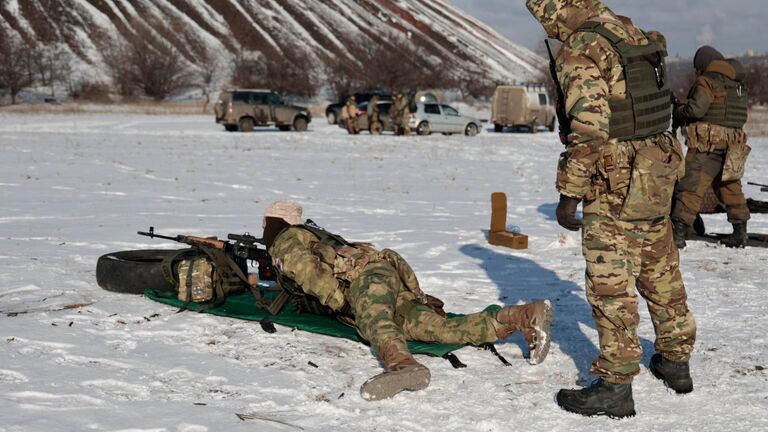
(395, 115)
(378, 292)
(350, 113)
(621, 163)
(404, 113)
(715, 112)
(374, 120)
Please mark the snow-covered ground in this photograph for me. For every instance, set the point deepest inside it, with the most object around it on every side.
(75, 358)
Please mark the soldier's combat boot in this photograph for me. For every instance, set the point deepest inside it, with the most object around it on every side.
(401, 372)
(676, 375)
(534, 320)
(679, 231)
(600, 398)
(739, 237)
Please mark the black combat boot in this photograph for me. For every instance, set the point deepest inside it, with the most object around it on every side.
(739, 237)
(600, 398)
(676, 375)
(679, 231)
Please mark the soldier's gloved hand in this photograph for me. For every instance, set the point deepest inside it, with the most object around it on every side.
(566, 213)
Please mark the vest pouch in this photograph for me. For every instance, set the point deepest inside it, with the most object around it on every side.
(736, 158)
(196, 278)
(654, 173)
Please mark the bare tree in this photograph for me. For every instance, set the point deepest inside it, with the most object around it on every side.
(16, 72)
(282, 75)
(146, 64)
(53, 66)
(117, 57)
(157, 67)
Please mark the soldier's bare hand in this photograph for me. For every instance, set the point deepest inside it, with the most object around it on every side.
(566, 213)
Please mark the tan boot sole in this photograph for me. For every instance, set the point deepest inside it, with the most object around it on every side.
(543, 334)
(387, 384)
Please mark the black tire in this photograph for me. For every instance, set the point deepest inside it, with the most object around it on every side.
(551, 126)
(133, 271)
(423, 129)
(471, 130)
(498, 128)
(532, 128)
(331, 117)
(230, 128)
(300, 124)
(246, 124)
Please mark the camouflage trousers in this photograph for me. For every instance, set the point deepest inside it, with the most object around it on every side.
(703, 170)
(352, 126)
(387, 311)
(623, 257)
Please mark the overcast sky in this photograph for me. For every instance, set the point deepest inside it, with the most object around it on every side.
(732, 26)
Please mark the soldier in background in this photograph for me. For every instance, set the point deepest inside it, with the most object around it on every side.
(715, 112)
(613, 149)
(379, 292)
(350, 113)
(374, 120)
(404, 112)
(395, 114)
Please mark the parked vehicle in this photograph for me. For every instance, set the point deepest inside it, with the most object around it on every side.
(242, 110)
(362, 120)
(515, 106)
(333, 111)
(435, 117)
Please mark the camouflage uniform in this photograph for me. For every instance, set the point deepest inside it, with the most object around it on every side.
(625, 246)
(374, 120)
(350, 112)
(400, 115)
(381, 288)
(709, 145)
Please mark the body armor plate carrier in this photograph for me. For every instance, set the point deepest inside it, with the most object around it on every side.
(731, 112)
(647, 109)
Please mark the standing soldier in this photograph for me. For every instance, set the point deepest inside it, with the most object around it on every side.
(404, 112)
(352, 113)
(395, 115)
(621, 162)
(716, 111)
(378, 291)
(374, 120)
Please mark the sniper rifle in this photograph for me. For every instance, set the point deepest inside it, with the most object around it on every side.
(245, 247)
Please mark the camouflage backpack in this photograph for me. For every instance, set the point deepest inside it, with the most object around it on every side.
(204, 275)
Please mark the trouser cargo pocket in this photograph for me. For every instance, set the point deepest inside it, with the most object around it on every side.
(654, 173)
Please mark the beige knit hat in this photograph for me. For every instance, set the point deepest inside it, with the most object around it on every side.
(288, 211)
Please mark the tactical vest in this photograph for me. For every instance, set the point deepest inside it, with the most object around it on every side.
(305, 302)
(730, 108)
(647, 109)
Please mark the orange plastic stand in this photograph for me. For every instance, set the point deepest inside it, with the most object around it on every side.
(499, 236)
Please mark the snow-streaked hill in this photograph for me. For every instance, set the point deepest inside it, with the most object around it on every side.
(316, 30)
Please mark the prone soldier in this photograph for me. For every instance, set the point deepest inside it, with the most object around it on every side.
(378, 291)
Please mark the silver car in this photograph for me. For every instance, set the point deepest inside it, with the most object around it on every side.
(434, 117)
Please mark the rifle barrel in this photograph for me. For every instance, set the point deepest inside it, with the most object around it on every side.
(152, 234)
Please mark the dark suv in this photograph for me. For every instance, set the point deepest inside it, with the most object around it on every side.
(244, 109)
(333, 111)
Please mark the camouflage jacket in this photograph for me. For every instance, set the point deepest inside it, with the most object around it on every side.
(590, 73)
(326, 272)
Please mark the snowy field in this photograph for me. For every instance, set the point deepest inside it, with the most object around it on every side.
(76, 358)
